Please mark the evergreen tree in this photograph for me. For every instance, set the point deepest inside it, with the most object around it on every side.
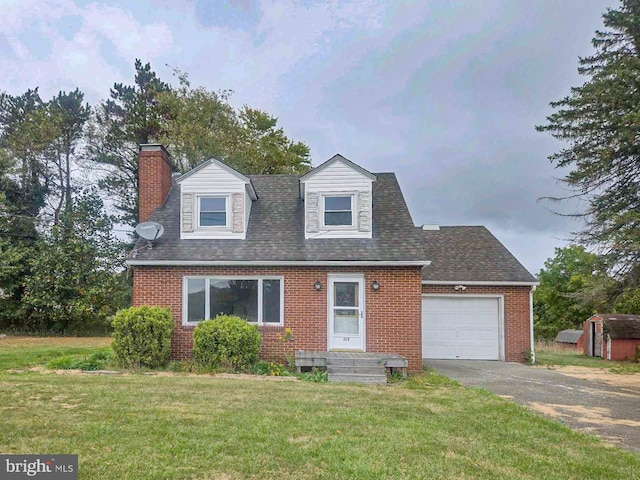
(600, 121)
(69, 114)
(130, 116)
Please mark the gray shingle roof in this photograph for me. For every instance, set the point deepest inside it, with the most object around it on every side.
(568, 336)
(276, 230)
(470, 254)
(620, 326)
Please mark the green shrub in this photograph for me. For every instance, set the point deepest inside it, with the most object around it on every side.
(142, 336)
(95, 361)
(529, 357)
(315, 375)
(226, 341)
(270, 369)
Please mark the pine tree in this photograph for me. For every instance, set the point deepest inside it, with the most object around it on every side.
(600, 121)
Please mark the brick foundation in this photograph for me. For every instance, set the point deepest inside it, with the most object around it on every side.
(517, 329)
(393, 313)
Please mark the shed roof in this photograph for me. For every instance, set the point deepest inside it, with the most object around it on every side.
(568, 336)
(620, 326)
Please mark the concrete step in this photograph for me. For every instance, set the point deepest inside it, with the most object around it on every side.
(358, 378)
(354, 361)
(356, 369)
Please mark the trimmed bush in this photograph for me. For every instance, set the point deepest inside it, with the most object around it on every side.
(226, 341)
(142, 336)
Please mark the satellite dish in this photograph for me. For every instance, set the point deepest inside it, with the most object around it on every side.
(150, 230)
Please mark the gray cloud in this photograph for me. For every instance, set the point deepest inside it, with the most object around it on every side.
(446, 94)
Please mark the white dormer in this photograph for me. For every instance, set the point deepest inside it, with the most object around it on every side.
(215, 202)
(337, 200)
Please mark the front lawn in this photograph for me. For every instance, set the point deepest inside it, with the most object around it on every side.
(179, 426)
(568, 357)
(25, 352)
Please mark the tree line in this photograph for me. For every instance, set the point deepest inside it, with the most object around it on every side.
(599, 125)
(69, 183)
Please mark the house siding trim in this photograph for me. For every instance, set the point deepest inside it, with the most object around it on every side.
(476, 283)
(334, 263)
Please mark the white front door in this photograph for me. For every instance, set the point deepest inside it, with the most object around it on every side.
(346, 312)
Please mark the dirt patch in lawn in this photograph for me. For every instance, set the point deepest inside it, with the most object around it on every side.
(582, 413)
(234, 376)
(630, 381)
(22, 342)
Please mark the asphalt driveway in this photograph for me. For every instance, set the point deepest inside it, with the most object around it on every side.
(605, 406)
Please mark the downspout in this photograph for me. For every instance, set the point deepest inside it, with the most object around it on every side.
(533, 353)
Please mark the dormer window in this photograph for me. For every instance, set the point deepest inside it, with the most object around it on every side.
(212, 211)
(338, 210)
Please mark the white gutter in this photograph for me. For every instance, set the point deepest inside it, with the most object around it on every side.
(533, 352)
(480, 283)
(276, 263)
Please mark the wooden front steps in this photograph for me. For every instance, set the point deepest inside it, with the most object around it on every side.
(355, 367)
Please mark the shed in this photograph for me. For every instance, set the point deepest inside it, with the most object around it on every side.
(571, 338)
(612, 336)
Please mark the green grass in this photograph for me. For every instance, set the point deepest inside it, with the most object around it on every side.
(577, 359)
(26, 352)
(200, 427)
(185, 426)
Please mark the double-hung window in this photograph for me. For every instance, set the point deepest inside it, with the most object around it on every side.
(212, 211)
(338, 210)
(257, 300)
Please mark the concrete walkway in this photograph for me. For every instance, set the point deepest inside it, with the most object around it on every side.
(603, 405)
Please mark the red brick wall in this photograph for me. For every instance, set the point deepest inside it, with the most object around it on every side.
(517, 328)
(393, 313)
(154, 179)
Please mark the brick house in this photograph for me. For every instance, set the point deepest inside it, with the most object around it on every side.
(334, 256)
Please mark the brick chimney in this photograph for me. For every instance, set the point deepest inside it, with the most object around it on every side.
(154, 179)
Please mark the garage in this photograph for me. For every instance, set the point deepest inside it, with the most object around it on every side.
(457, 327)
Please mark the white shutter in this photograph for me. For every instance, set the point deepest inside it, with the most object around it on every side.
(364, 211)
(313, 224)
(237, 212)
(188, 211)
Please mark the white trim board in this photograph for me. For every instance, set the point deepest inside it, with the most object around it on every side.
(480, 283)
(499, 297)
(224, 166)
(280, 263)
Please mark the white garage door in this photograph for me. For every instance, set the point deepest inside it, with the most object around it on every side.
(461, 328)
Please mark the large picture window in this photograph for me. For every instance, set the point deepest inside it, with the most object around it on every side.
(257, 300)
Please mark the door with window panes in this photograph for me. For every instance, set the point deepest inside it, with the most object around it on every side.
(346, 312)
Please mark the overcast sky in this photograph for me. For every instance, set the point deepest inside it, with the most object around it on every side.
(444, 93)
